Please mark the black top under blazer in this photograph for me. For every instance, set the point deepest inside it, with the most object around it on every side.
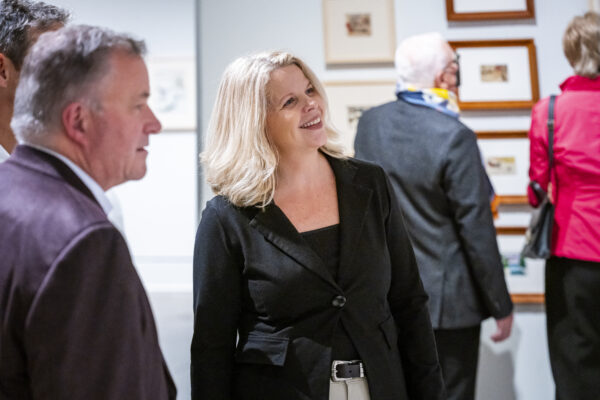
(255, 275)
(434, 166)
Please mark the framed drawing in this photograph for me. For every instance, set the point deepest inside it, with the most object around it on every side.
(173, 93)
(475, 10)
(497, 74)
(525, 284)
(506, 199)
(507, 164)
(348, 100)
(358, 31)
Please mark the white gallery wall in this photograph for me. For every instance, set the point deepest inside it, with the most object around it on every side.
(160, 211)
(517, 368)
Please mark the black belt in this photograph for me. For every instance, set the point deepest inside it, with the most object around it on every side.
(344, 370)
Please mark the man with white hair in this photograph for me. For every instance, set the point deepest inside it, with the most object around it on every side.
(75, 322)
(434, 165)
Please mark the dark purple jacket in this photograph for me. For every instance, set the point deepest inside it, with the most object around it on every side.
(75, 322)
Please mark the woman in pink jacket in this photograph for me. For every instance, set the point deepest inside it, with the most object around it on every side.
(573, 270)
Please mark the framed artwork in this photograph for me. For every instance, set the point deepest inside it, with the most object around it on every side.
(359, 32)
(475, 10)
(506, 199)
(507, 164)
(173, 93)
(497, 74)
(524, 277)
(348, 100)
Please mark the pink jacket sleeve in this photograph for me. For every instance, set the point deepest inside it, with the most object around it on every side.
(538, 149)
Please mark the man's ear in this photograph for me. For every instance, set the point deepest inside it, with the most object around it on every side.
(438, 82)
(76, 120)
(5, 73)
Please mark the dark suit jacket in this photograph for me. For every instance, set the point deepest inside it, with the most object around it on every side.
(435, 168)
(254, 274)
(75, 322)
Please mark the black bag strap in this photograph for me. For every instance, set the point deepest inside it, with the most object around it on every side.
(550, 124)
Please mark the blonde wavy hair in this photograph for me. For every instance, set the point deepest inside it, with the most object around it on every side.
(581, 44)
(239, 160)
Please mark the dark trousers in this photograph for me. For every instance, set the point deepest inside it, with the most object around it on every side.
(458, 351)
(573, 326)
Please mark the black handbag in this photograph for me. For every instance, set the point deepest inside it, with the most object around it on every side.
(538, 238)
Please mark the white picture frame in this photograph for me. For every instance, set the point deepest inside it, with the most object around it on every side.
(347, 101)
(173, 93)
(358, 31)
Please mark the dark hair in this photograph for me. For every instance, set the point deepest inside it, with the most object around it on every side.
(17, 20)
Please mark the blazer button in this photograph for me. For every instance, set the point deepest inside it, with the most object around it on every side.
(338, 301)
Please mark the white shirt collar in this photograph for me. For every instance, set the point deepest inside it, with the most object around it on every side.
(87, 180)
(3, 154)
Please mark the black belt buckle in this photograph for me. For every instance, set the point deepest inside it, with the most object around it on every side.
(346, 370)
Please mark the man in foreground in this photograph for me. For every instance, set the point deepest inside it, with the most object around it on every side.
(75, 322)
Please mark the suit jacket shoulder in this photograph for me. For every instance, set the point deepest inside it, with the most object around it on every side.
(67, 278)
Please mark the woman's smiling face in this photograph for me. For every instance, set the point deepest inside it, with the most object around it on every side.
(295, 113)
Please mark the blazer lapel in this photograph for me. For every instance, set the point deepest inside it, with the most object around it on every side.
(353, 202)
(277, 229)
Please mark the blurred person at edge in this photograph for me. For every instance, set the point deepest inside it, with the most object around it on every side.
(573, 270)
(303, 253)
(75, 320)
(21, 23)
(440, 183)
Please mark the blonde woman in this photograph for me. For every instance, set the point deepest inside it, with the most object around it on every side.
(302, 254)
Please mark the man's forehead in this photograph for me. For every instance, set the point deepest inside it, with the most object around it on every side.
(124, 73)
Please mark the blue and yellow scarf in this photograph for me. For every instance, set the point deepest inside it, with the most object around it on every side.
(445, 102)
(441, 100)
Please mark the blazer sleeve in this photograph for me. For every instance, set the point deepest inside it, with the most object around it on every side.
(90, 333)
(408, 302)
(538, 150)
(467, 191)
(217, 285)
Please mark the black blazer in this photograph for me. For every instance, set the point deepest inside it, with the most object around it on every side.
(75, 322)
(434, 166)
(255, 275)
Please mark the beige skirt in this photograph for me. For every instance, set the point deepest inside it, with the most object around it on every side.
(351, 389)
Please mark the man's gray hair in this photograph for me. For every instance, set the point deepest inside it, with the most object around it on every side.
(17, 20)
(62, 67)
(419, 58)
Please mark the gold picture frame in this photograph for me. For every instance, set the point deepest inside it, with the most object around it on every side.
(460, 10)
(497, 74)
